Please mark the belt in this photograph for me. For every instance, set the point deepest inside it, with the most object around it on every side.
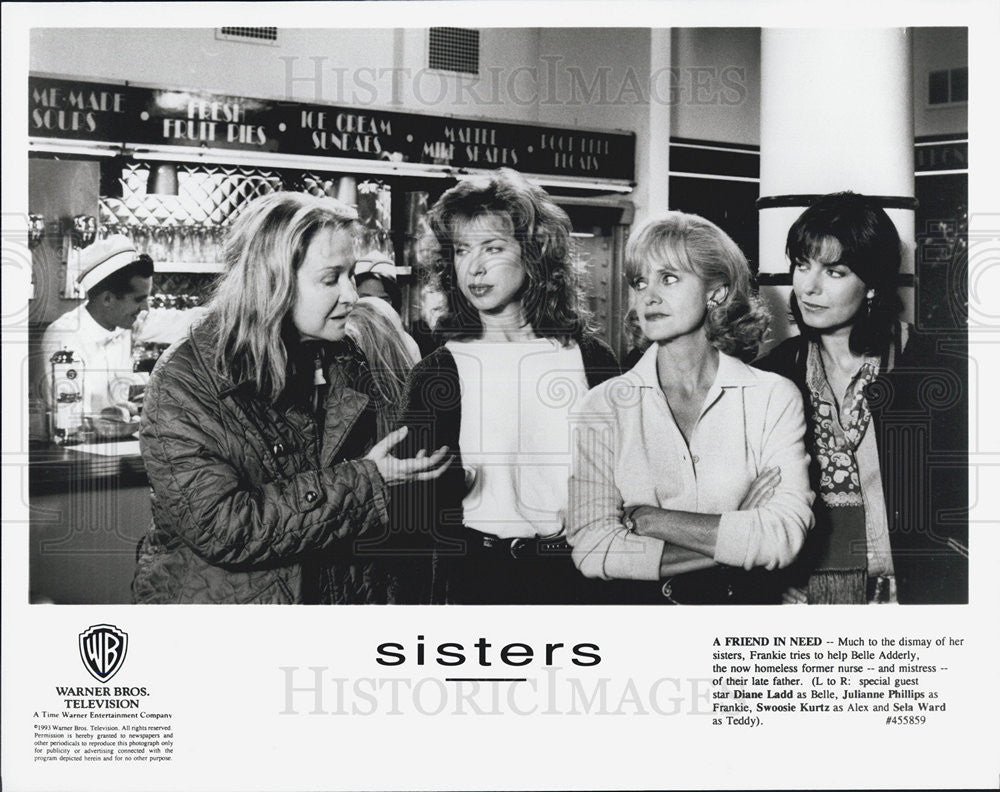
(520, 547)
(721, 586)
(698, 588)
(880, 589)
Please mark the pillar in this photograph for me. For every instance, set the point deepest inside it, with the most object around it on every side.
(836, 114)
(653, 141)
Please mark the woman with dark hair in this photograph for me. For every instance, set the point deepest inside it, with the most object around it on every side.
(638, 343)
(500, 392)
(689, 471)
(864, 379)
(259, 430)
(375, 276)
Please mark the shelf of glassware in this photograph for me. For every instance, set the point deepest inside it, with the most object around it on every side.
(194, 267)
(212, 267)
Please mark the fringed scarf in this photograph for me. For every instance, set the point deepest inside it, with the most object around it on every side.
(842, 563)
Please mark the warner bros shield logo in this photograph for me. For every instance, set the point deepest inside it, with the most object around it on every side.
(102, 649)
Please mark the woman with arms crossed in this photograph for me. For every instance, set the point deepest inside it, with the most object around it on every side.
(690, 469)
(258, 433)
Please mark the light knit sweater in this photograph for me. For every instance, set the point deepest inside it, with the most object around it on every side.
(628, 451)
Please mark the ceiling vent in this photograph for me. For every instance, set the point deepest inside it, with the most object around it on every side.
(453, 49)
(248, 35)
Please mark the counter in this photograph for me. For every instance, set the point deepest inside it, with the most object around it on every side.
(89, 507)
(57, 468)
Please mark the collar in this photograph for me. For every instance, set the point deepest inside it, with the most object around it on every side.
(732, 372)
(816, 379)
(336, 360)
(203, 336)
(93, 329)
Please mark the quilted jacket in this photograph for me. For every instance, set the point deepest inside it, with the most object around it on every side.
(258, 502)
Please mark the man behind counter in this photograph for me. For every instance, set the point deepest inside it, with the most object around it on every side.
(117, 280)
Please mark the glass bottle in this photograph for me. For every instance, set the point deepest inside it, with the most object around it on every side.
(67, 397)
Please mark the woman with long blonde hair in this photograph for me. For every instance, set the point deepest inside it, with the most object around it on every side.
(259, 430)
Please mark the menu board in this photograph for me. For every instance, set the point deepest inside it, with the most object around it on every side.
(77, 110)
(138, 115)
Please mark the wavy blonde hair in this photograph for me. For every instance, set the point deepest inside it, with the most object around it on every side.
(381, 342)
(256, 293)
(690, 243)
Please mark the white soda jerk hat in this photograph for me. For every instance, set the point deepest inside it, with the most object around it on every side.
(104, 257)
(375, 262)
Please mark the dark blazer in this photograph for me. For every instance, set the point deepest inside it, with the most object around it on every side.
(428, 518)
(920, 416)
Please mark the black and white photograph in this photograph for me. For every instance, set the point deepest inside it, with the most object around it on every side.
(496, 305)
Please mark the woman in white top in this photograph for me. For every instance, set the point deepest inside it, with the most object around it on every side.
(689, 471)
(516, 362)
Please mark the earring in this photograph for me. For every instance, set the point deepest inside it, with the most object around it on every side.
(712, 303)
(869, 306)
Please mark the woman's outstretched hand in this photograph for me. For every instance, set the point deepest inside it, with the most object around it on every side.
(399, 471)
(762, 489)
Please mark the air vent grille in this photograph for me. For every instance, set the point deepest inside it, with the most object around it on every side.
(248, 35)
(948, 86)
(453, 49)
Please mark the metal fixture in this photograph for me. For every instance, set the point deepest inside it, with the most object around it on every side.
(36, 230)
(84, 230)
(162, 179)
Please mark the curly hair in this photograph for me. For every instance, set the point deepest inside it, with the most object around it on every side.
(853, 230)
(256, 293)
(552, 296)
(690, 243)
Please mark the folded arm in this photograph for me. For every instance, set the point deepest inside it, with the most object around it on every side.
(693, 533)
(603, 547)
(771, 535)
